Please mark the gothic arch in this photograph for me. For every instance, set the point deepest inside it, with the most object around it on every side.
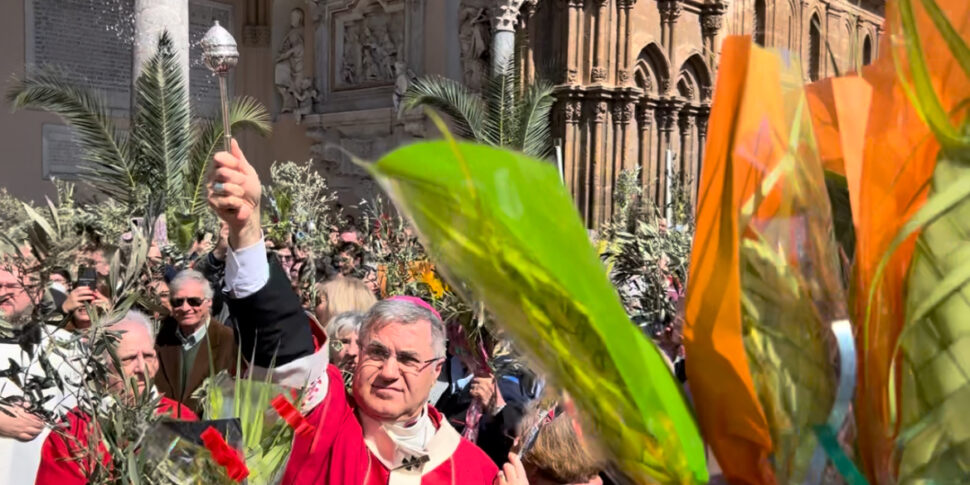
(814, 47)
(760, 22)
(652, 71)
(867, 50)
(694, 81)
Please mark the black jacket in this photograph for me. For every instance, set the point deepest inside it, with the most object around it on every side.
(271, 323)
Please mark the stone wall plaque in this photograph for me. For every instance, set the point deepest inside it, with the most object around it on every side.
(203, 86)
(90, 41)
(60, 152)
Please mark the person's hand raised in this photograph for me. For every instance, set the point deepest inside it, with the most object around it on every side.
(234, 193)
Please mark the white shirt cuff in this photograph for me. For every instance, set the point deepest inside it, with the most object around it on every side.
(247, 270)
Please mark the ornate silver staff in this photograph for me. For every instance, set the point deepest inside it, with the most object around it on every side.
(220, 55)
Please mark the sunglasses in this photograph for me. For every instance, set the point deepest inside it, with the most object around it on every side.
(193, 302)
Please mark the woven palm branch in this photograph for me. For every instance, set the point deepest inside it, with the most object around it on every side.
(935, 338)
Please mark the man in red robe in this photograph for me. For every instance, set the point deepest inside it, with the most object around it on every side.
(385, 432)
(62, 456)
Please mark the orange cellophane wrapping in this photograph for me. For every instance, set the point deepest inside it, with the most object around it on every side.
(888, 155)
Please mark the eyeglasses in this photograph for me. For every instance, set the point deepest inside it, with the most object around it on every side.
(408, 363)
(193, 302)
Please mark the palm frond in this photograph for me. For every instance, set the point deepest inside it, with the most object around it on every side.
(244, 113)
(104, 147)
(502, 98)
(466, 109)
(535, 131)
(160, 134)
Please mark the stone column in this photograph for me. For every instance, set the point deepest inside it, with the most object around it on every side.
(804, 21)
(623, 76)
(255, 32)
(702, 117)
(600, 39)
(688, 161)
(572, 113)
(597, 165)
(505, 15)
(669, 12)
(528, 63)
(151, 18)
(712, 16)
(573, 39)
(646, 158)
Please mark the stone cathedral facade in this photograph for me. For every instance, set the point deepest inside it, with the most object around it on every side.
(635, 77)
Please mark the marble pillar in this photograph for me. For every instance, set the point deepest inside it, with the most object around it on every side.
(151, 18)
(505, 15)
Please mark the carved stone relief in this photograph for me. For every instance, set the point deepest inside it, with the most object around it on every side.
(474, 35)
(288, 75)
(369, 44)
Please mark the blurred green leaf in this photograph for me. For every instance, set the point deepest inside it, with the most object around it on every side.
(502, 223)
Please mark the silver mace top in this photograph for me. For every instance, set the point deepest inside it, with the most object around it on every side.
(219, 50)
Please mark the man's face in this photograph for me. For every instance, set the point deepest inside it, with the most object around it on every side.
(136, 352)
(14, 299)
(395, 371)
(346, 357)
(189, 304)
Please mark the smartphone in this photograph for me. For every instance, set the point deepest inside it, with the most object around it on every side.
(87, 276)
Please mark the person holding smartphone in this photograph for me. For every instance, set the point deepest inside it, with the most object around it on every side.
(85, 293)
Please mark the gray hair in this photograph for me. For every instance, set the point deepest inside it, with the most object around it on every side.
(404, 312)
(191, 275)
(346, 321)
(135, 316)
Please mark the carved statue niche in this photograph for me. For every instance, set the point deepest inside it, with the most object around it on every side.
(371, 44)
(289, 62)
(474, 35)
(304, 94)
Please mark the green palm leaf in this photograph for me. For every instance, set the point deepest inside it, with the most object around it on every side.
(535, 131)
(501, 118)
(160, 134)
(244, 113)
(466, 109)
(506, 114)
(502, 223)
(104, 147)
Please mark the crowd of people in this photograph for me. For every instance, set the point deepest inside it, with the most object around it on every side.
(391, 398)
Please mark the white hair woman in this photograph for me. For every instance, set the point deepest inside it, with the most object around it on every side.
(343, 333)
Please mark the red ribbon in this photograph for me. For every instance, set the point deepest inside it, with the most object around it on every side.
(225, 455)
(292, 416)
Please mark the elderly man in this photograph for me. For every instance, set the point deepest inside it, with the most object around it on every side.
(387, 433)
(22, 432)
(63, 459)
(191, 344)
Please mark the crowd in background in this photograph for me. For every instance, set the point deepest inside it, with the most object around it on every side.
(195, 337)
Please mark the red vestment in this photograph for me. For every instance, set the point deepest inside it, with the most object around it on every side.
(58, 462)
(336, 454)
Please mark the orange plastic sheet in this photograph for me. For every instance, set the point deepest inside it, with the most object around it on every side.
(746, 140)
(887, 171)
